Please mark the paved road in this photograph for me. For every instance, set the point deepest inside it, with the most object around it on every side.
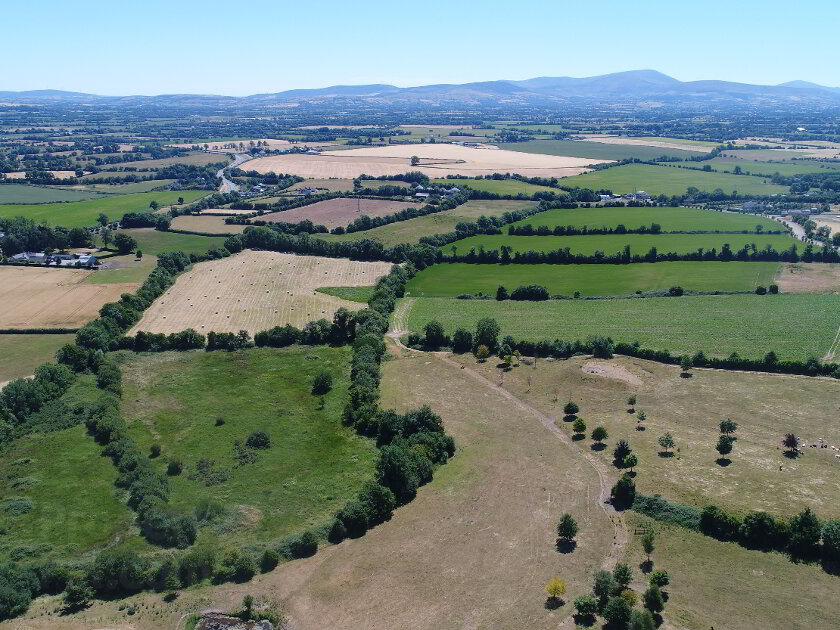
(227, 185)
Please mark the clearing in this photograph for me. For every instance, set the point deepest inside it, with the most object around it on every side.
(339, 212)
(38, 297)
(255, 290)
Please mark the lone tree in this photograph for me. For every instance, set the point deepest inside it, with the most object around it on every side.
(570, 408)
(579, 426)
(686, 363)
(415, 160)
(502, 294)
(642, 416)
(555, 588)
(648, 544)
(724, 445)
(154, 205)
(791, 444)
(599, 434)
(631, 461)
(322, 383)
(567, 528)
(728, 427)
(667, 442)
(631, 401)
(621, 450)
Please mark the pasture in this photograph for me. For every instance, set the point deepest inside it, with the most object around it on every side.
(205, 223)
(412, 230)
(39, 297)
(255, 290)
(155, 242)
(614, 243)
(665, 180)
(798, 167)
(498, 186)
(339, 212)
(121, 269)
(671, 219)
(793, 326)
(436, 160)
(28, 194)
(125, 189)
(597, 150)
(452, 279)
(314, 464)
(85, 213)
(21, 354)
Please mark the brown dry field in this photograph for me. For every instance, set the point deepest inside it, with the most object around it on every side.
(642, 142)
(32, 297)
(210, 224)
(809, 278)
(339, 212)
(57, 174)
(436, 160)
(225, 212)
(256, 290)
(337, 185)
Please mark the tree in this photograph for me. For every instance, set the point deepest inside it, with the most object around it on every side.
(579, 426)
(686, 363)
(247, 606)
(435, 336)
(78, 592)
(124, 243)
(805, 532)
(154, 205)
(724, 445)
(621, 450)
(180, 201)
(791, 444)
(555, 588)
(660, 578)
(482, 352)
(603, 585)
(322, 383)
(502, 294)
(728, 427)
(623, 574)
(631, 461)
(102, 219)
(138, 254)
(631, 401)
(623, 493)
(570, 408)
(462, 341)
(487, 333)
(415, 160)
(586, 606)
(642, 416)
(667, 442)
(648, 544)
(831, 540)
(599, 434)
(653, 600)
(642, 620)
(567, 528)
(106, 235)
(617, 612)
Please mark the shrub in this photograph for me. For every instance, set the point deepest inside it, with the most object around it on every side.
(502, 294)
(602, 347)
(174, 467)
(761, 291)
(579, 426)
(831, 540)
(760, 530)
(462, 341)
(154, 450)
(805, 532)
(354, 518)
(270, 559)
(718, 523)
(118, 573)
(258, 439)
(321, 384)
(623, 493)
(337, 531)
(303, 545)
(570, 408)
(662, 510)
(773, 288)
(435, 336)
(660, 578)
(676, 291)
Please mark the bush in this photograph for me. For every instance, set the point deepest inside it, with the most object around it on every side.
(174, 467)
(660, 509)
(761, 291)
(258, 439)
(303, 545)
(502, 294)
(623, 493)
(570, 408)
(533, 292)
(773, 288)
(435, 336)
(660, 578)
(354, 518)
(321, 384)
(831, 540)
(462, 341)
(154, 450)
(586, 606)
(805, 532)
(337, 531)
(718, 523)
(118, 573)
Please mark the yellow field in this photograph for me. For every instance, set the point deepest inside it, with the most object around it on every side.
(436, 160)
(57, 174)
(210, 224)
(256, 290)
(38, 297)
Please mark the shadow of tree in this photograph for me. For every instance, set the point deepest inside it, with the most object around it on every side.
(565, 546)
(598, 446)
(553, 603)
(723, 461)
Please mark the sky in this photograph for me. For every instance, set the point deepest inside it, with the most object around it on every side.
(259, 46)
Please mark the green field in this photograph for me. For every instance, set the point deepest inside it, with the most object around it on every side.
(196, 159)
(314, 464)
(84, 213)
(21, 354)
(354, 294)
(126, 189)
(671, 219)
(665, 180)
(155, 242)
(26, 194)
(450, 280)
(793, 326)
(120, 269)
(410, 231)
(769, 168)
(596, 150)
(498, 186)
(613, 243)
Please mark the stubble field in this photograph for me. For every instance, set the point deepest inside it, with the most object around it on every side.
(339, 212)
(256, 290)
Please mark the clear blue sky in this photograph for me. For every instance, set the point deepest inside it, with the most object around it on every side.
(237, 48)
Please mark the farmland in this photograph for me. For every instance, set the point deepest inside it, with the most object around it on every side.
(336, 185)
(32, 297)
(26, 194)
(613, 243)
(412, 230)
(314, 464)
(208, 224)
(670, 219)
(21, 354)
(260, 290)
(497, 186)
(85, 213)
(450, 280)
(121, 269)
(665, 180)
(195, 159)
(339, 212)
(152, 241)
(793, 326)
(597, 150)
(769, 168)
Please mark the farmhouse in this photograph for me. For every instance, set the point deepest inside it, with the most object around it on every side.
(59, 260)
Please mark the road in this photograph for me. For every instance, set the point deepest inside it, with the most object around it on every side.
(227, 185)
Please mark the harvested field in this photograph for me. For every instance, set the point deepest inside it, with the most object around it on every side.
(56, 174)
(232, 146)
(436, 160)
(339, 212)
(809, 278)
(225, 212)
(209, 224)
(33, 297)
(660, 143)
(256, 290)
(335, 185)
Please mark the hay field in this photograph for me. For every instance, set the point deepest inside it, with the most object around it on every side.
(33, 297)
(339, 212)
(209, 224)
(256, 290)
(436, 160)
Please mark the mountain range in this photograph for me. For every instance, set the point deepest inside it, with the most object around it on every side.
(637, 86)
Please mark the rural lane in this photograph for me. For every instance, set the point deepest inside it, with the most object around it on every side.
(227, 185)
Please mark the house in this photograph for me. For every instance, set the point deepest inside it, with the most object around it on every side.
(35, 257)
(308, 191)
(605, 197)
(421, 195)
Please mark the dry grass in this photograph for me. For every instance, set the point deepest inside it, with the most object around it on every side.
(209, 224)
(647, 142)
(809, 278)
(256, 290)
(32, 297)
(339, 212)
(225, 212)
(334, 185)
(436, 160)
(57, 174)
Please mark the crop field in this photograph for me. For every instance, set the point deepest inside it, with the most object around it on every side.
(436, 160)
(335, 185)
(614, 243)
(155, 242)
(21, 354)
(339, 212)
(671, 219)
(498, 186)
(793, 326)
(412, 230)
(450, 280)
(32, 297)
(664, 180)
(597, 150)
(769, 168)
(314, 464)
(126, 189)
(85, 213)
(194, 159)
(26, 194)
(256, 290)
(205, 223)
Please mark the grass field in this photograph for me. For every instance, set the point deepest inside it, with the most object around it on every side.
(195, 159)
(21, 354)
(498, 186)
(25, 194)
(769, 168)
(793, 326)
(314, 464)
(256, 290)
(412, 230)
(671, 219)
(340, 212)
(155, 242)
(664, 180)
(354, 294)
(120, 269)
(450, 280)
(614, 243)
(126, 189)
(597, 150)
(208, 224)
(84, 213)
